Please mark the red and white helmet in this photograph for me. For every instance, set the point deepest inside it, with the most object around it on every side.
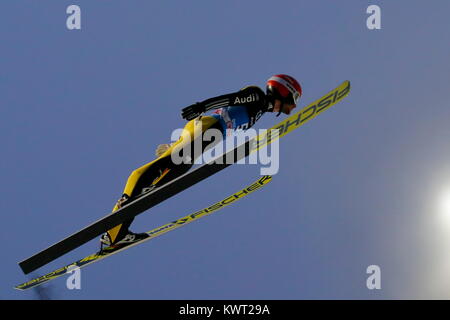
(284, 88)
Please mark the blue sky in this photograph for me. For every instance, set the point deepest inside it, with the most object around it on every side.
(358, 186)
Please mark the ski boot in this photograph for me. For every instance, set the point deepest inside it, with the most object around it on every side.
(105, 239)
(130, 237)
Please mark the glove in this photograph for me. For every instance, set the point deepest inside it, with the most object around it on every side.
(193, 111)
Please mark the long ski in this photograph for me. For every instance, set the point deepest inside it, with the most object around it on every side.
(109, 251)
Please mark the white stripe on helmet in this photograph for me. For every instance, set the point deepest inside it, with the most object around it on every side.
(287, 84)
